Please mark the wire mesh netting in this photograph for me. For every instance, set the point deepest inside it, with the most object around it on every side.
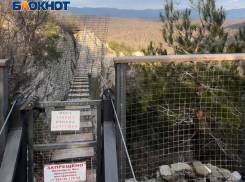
(44, 135)
(181, 112)
(81, 48)
(74, 76)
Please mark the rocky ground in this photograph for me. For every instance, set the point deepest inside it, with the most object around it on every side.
(193, 172)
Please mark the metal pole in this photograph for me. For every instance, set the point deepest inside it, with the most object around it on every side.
(99, 146)
(3, 102)
(19, 120)
(243, 150)
(121, 113)
(123, 120)
(30, 147)
(118, 109)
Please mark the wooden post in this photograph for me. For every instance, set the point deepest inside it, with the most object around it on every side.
(3, 102)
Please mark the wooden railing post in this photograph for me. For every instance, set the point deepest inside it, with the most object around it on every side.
(3, 102)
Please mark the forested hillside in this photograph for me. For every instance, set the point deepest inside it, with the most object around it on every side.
(137, 33)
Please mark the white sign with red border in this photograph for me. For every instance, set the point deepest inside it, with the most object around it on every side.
(65, 120)
(75, 172)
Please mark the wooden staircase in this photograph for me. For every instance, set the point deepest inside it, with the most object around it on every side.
(79, 90)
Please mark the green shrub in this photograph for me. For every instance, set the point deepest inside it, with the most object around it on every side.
(121, 47)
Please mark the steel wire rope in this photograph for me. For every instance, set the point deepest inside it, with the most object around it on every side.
(10, 111)
(50, 75)
(41, 81)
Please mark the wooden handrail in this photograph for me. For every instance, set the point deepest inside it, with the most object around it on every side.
(179, 58)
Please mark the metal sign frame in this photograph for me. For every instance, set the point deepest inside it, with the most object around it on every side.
(69, 145)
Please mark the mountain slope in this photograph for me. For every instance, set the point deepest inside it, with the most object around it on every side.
(117, 13)
(148, 14)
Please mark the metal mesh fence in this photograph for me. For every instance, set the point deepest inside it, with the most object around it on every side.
(181, 112)
(44, 135)
(81, 45)
(75, 76)
(90, 34)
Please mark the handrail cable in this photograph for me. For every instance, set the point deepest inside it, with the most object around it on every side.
(7, 118)
(120, 129)
(15, 100)
(51, 73)
(39, 81)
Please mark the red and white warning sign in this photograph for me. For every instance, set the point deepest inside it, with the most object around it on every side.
(65, 120)
(75, 172)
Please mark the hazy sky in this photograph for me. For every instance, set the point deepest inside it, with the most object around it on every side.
(148, 4)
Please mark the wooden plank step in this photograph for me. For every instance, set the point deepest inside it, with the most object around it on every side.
(91, 175)
(83, 84)
(83, 76)
(85, 113)
(79, 90)
(79, 98)
(87, 124)
(64, 154)
(77, 107)
(80, 77)
(83, 66)
(80, 83)
(82, 69)
(74, 138)
(78, 95)
(79, 86)
(79, 80)
(82, 72)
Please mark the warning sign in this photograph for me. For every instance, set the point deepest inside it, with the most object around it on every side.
(65, 120)
(75, 172)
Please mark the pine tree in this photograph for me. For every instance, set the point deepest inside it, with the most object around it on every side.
(187, 37)
(153, 50)
(238, 46)
(184, 107)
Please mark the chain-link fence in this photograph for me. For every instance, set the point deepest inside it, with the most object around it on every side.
(181, 112)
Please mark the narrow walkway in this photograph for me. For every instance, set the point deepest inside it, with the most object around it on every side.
(79, 90)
